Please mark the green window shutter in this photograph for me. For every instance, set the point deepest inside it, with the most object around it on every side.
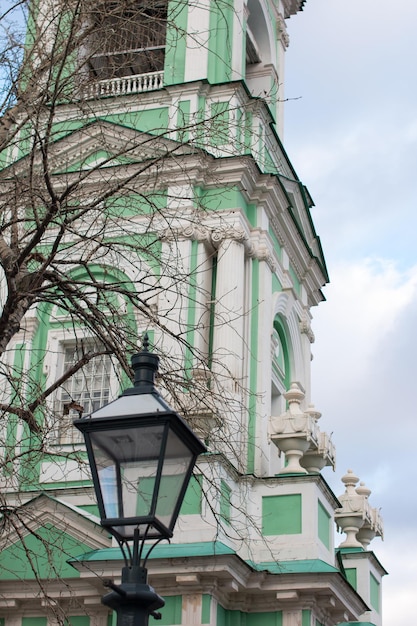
(34, 621)
(282, 515)
(323, 525)
(78, 620)
(306, 617)
(374, 593)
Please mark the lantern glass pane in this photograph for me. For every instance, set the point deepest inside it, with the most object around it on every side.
(174, 471)
(127, 461)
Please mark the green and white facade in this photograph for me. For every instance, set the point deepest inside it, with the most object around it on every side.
(254, 544)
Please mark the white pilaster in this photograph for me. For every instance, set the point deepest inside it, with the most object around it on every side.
(229, 313)
(292, 618)
(191, 609)
(198, 33)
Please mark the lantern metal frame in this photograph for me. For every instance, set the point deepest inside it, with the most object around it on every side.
(134, 600)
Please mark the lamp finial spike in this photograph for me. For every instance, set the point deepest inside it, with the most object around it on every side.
(145, 343)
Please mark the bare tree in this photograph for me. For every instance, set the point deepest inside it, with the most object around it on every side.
(97, 229)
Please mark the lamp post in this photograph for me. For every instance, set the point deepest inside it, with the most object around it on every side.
(141, 453)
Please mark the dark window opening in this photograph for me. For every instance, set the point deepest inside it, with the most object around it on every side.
(252, 52)
(128, 38)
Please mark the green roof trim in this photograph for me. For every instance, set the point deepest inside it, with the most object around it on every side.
(213, 548)
(303, 566)
(349, 551)
(170, 551)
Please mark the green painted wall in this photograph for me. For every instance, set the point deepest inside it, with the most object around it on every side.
(205, 609)
(42, 554)
(222, 198)
(351, 576)
(219, 124)
(171, 612)
(220, 43)
(175, 47)
(282, 515)
(225, 507)
(238, 618)
(374, 588)
(193, 497)
(153, 121)
(323, 525)
(78, 620)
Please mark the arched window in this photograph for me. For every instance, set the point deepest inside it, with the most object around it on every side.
(258, 48)
(281, 369)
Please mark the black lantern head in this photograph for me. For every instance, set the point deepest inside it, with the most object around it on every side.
(142, 455)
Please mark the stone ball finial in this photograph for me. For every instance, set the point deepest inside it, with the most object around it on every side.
(294, 394)
(349, 478)
(363, 490)
(311, 410)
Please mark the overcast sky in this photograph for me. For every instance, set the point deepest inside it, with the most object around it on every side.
(352, 137)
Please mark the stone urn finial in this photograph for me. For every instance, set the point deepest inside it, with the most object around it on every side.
(350, 517)
(290, 431)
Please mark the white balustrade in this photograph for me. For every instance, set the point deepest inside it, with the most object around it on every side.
(126, 85)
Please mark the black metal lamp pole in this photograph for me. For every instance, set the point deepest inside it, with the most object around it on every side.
(134, 600)
(141, 453)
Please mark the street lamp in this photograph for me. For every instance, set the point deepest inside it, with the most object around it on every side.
(141, 453)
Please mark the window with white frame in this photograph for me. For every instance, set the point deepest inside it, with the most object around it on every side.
(84, 392)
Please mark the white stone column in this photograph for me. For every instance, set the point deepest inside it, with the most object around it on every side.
(198, 33)
(228, 338)
(292, 618)
(191, 609)
(202, 281)
(263, 362)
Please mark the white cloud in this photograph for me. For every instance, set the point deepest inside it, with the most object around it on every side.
(364, 302)
(363, 382)
(352, 138)
(399, 557)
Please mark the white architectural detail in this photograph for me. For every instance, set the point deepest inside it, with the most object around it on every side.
(322, 450)
(357, 518)
(305, 327)
(297, 434)
(125, 85)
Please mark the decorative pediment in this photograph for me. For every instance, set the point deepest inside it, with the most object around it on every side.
(43, 534)
(100, 144)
